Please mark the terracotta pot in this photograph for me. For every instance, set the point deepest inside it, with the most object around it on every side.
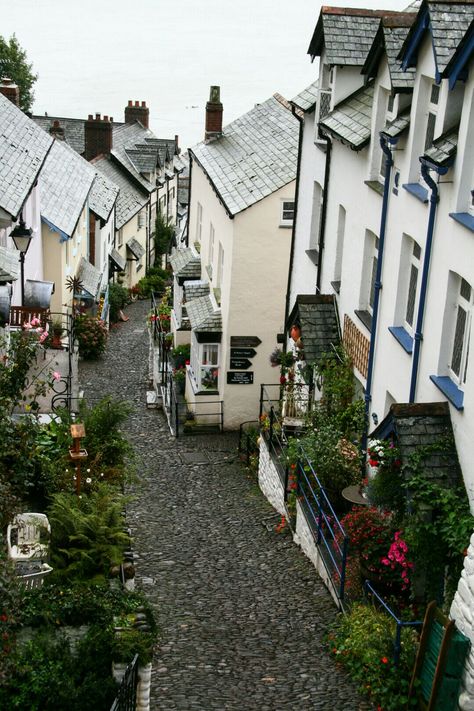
(295, 332)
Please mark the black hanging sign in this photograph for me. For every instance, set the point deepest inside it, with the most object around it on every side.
(239, 377)
(244, 341)
(240, 363)
(242, 353)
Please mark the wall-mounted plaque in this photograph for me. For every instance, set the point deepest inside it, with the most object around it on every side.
(239, 377)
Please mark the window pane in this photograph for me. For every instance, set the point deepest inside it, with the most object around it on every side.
(411, 295)
(434, 94)
(465, 290)
(416, 250)
(458, 340)
(430, 128)
(372, 282)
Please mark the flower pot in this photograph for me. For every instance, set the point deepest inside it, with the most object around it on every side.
(295, 332)
(56, 342)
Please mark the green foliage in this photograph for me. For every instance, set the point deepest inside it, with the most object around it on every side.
(163, 235)
(184, 350)
(14, 65)
(118, 297)
(386, 490)
(91, 333)
(104, 441)
(87, 534)
(15, 370)
(10, 605)
(362, 641)
(336, 376)
(154, 282)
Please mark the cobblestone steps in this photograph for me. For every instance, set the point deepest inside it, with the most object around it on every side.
(242, 613)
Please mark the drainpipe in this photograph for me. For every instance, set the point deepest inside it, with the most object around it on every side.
(322, 225)
(293, 232)
(425, 168)
(384, 143)
(189, 197)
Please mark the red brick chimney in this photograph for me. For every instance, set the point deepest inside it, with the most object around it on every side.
(9, 89)
(214, 111)
(57, 130)
(97, 136)
(137, 112)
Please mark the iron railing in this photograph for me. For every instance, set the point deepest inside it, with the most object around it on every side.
(248, 435)
(127, 694)
(328, 533)
(400, 624)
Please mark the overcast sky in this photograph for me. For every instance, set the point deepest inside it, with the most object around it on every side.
(94, 55)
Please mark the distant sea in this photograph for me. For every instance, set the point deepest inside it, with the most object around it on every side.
(93, 56)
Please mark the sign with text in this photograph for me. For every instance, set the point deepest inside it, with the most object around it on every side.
(240, 363)
(239, 377)
(244, 341)
(242, 353)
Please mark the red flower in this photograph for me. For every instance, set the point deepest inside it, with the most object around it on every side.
(384, 660)
(282, 380)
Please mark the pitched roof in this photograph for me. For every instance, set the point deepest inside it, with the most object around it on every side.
(443, 150)
(345, 33)
(389, 39)
(9, 264)
(350, 121)
(398, 125)
(90, 277)
(125, 138)
(73, 129)
(202, 317)
(185, 264)
(419, 426)
(306, 99)
(255, 155)
(448, 22)
(130, 199)
(196, 288)
(135, 248)
(102, 196)
(66, 180)
(23, 150)
(317, 316)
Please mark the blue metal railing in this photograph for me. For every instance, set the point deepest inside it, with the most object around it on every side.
(328, 533)
(400, 624)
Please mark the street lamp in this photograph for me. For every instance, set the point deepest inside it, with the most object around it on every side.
(21, 237)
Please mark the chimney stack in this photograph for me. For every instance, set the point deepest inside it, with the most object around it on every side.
(214, 111)
(9, 89)
(97, 136)
(57, 131)
(137, 112)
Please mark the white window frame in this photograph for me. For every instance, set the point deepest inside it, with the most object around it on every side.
(140, 220)
(371, 252)
(210, 259)
(464, 304)
(414, 263)
(285, 211)
(205, 365)
(199, 223)
(220, 266)
(318, 198)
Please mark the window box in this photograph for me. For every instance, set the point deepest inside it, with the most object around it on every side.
(454, 394)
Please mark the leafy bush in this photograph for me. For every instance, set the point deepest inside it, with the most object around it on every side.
(118, 297)
(362, 641)
(105, 443)
(154, 282)
(87, 534)
(91, 334)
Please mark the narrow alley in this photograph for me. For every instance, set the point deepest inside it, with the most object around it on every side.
(241, 612)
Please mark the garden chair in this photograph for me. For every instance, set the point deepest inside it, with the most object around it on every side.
(28, 537)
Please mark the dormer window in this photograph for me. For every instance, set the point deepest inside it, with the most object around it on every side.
(432, 113)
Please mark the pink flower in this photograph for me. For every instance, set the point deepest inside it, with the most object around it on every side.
(27, 325)
(35, 321)
(56, 375)
(43, 336)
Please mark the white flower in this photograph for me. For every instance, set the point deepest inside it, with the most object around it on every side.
(88, 480)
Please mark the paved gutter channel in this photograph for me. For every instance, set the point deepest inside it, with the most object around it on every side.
(241, 611)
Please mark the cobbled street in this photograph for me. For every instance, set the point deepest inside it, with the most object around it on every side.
(241, 611)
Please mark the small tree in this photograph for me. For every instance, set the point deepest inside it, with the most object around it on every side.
(162, 235)
(15, 66)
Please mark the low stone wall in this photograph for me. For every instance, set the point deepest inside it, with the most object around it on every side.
(305, 539)
(462, 612)
(269, 479)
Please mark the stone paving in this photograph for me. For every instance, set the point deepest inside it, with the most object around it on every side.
(241, 611)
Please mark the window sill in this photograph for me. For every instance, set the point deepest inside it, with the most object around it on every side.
(365, 317)
(374, 185)
(286, 227)
(449, 388)
(403, 337)
(417, 191)
(464, 218)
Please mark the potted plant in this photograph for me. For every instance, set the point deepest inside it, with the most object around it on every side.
(181, 354)
(57, 330)
(179, 377)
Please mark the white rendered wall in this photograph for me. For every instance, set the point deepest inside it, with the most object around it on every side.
(269, 480)
(462, 612)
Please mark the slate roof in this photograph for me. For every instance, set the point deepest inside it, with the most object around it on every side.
(90, 277)
(316, 315)
(9, 264)
(421, 425)
(130, 199)
(119, 261)
(306, 99)
(346, 34)
(395, 128)
(255, 155)
(23, 150)
(443, 150)
(135, 247)
(102, 196)
(66, 180)
(124, 139)
(73, 129)
(389, 39)
(202, 317)
(350, 121)
(196, 288)
(185, 264)
(448, 24)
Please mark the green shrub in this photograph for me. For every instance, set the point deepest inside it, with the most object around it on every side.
(118, 297)
(154, 281)
(104, 441)
(91, 333)
(362, 640)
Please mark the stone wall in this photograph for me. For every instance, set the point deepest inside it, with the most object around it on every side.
(269, 479)
(462, 612)
(305, 539)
